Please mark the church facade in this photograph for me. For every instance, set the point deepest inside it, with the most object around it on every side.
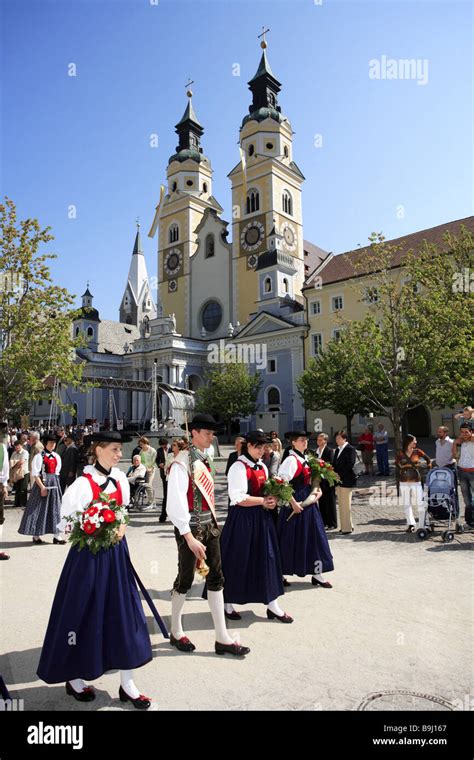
(213, 293)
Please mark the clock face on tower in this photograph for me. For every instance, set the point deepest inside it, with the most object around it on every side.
(173, 261)
(252, 236)
(289, 234)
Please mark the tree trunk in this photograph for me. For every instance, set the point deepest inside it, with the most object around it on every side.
(349, 427)
(397, 429)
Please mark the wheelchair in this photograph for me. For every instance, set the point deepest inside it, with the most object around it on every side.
(142, 496)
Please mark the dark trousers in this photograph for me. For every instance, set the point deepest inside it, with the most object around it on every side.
(381, 450)
(466, 482)
(2, 505)
(21, 491)
(165, 495)
(187, 560)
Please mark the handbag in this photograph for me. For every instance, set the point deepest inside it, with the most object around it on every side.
(359, 467)
(17, 473)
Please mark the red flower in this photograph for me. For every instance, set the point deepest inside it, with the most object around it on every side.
(108, 515)
(322, 462)
(89, 527)
(92, 511)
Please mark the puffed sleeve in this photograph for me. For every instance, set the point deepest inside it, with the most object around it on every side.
(287, 468)
(6, 466)
(177, 499)
(77, 497)
(36, 465)
(237, 483)
(125, 486)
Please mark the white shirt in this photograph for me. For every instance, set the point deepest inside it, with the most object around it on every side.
(21, 456)
(338, 450)
(139, 472)
(287, 469)
(37, 464)
(79, 494)
(237, 483)
(5, 472)
(380, 437)
(444, 452)
(177, 499)
(466, 460)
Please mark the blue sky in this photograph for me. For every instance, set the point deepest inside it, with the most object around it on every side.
(85, 140)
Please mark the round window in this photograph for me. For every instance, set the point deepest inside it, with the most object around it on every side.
(211, 316)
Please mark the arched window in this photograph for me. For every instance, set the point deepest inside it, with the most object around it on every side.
(204, 187)
(77, 331)
(273, 400)
(173, 233)
(287, 203)
(253, 201)
(251, 150)
(146, 325)
(209, 246)
(128, 320)
(90, 332)
(286, 287)
(267, 288)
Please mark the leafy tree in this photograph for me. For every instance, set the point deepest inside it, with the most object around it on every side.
(36, 340)
(335, 379)
(416, 343)
(230, 392)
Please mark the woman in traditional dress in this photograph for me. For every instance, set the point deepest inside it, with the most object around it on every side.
(249, 544)
(304, 546)
(43, 509)
(97, 600)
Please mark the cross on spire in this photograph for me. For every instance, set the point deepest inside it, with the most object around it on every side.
(263, 43)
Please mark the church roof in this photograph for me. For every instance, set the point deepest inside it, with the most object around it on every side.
(342, 266)
(114, 337)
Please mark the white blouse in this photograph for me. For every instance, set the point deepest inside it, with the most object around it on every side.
(79, 495)
(37, 464)
(237, 483)
(288, 468)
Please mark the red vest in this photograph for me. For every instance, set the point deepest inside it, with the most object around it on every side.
(117, 495)
(256, 480)
(302, 476)
(205, 506)
(49, 463)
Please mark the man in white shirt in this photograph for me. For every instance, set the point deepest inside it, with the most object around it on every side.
(466, 468)
(190, 507)
(136, 472)
(444, 448)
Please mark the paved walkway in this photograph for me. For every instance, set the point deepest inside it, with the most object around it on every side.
(394, 633)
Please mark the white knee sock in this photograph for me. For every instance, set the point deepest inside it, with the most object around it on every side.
(127, 683)
(229, 608)
(216, 605)
(78, 684)
(318, 577)
(275, 607)
(177, 603)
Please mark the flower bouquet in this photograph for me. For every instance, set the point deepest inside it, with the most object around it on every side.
(321, 470)
(97, 526)
(278, 488)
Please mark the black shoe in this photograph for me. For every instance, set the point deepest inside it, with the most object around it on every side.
(86, 695)
(38, 541)
(236, 649)
(324, 584)
(346, 532)
(286, 583)
(282, 618)
(183, 644)
(163, 518)
(141, 702)
(58, 541)
(232, 615)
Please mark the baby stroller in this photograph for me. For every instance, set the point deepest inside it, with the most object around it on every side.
(443, 504)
